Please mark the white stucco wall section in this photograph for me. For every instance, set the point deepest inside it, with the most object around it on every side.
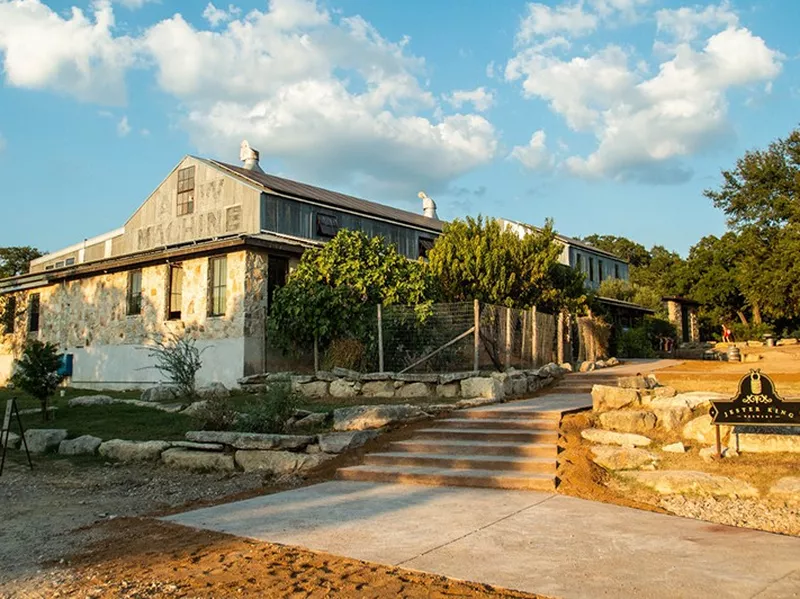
(118, 367)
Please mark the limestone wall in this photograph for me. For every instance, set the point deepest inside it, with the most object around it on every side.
(88, 318)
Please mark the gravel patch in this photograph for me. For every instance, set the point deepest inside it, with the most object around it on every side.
(747, 513)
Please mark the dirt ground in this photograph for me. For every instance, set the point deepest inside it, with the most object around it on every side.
(83, 528)
(782, 364)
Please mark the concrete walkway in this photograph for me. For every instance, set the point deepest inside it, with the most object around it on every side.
(537, 542)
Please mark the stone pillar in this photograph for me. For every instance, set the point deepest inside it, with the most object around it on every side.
(694, 325)
(674, 312)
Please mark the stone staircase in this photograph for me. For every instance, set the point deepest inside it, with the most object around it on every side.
(504, 446)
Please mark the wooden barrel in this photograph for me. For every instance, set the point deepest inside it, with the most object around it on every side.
(734, 355)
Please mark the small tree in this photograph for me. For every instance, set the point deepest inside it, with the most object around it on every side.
(179, 359)
(37, 372)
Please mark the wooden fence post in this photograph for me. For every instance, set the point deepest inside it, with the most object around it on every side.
(380, 338)
(534, 338)
(476, 360)
(508, 338)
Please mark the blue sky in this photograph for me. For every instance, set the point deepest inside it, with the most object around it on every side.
(610, 116)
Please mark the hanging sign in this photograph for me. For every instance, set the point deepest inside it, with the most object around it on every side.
(756, 403)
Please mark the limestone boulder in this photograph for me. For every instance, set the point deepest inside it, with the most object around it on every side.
(314, 390)
(83, 445)
(566, 367)
(772, 439)
(91, 400)
(600, 364)
(341, 442)
(448, 390)
(612, 361)
(506, 384)
(278, 462)
(198, 446)
(159, 393)
(787, 489)
(700, 429)
(680, 482)
(417, 377)
(484, 387)
(188, 459)
(438, 408)
(552, 369)
(346, 373)
(359, 418)
(410, 390)
(312, 421)
(475, 402)
(454, 377)
(628, 421)
(213, 391)
(622, 458)
(699, 399)
(44, 440)
(377, 376)
(664, 392)
(519, 385)
(709, 454)
(13, 442)
(632, 382)
(195, 409)
(587, 366)
(251, 440)
(673, 417)
(121, 450)
(606, 398)
(342, 389)
(604, 437)
(378, 389)
(674, 448)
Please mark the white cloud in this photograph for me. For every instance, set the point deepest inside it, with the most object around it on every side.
(645, 123)
(685, 23)
(535, 156)
(340, 102)
(543, 20)
(479, 97)
(123, 127)
(73, 55)
(216, 16)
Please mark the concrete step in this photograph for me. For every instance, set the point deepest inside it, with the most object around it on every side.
(444, 477)
(462, 462)
(498, 423)
(488, 434)
(507, 413)
(459, 447)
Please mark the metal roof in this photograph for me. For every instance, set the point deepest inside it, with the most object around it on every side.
(332, 198)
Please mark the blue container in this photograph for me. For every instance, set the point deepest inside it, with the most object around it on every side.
(66, 365)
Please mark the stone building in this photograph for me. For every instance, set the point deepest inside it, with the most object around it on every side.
(682, 312)
(203, 254)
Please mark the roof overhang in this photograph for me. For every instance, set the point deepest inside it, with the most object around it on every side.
(615, 303)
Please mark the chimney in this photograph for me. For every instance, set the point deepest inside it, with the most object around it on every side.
(428, 206)
(249, 156)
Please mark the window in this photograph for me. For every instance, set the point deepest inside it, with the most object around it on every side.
(69, 261)
(616, 271)
(175, 292)
(578, 263)
(33, 313)
(600, 270)
(327, 225)
(134, 292)
(277, 271)
(591, 268)
(49, 267)
(218, 277)
(10, 315)
(60, 264)
(186, 191)
(425, 246)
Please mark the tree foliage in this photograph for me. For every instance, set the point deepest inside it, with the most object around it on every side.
(635, 253)
(37, 371)
(16, 260)
(333, 292)
(476, 259)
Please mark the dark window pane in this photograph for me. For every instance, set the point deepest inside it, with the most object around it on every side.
(175, 291)
(327, 225)
(277, 272)
(10, 315)
(425, 245)
(134, 292)
(218, 291)
(33, 313)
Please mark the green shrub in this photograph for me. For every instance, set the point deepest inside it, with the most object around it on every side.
(751, 332)
(635, 343)
(217, 415)
(269, 413)
(37, 372)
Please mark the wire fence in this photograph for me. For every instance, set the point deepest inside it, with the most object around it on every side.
(442, 338)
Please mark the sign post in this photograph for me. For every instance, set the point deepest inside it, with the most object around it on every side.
(756, 403)
(5, 432)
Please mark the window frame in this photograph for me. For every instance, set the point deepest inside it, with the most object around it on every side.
(10, 315)
(173, 314)
(185, 191)
(599, 271)
(616, 271)
(425, 245)
(133, 299)
(327, 225)
(34, 312)
(591, 269)
(217, 286)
